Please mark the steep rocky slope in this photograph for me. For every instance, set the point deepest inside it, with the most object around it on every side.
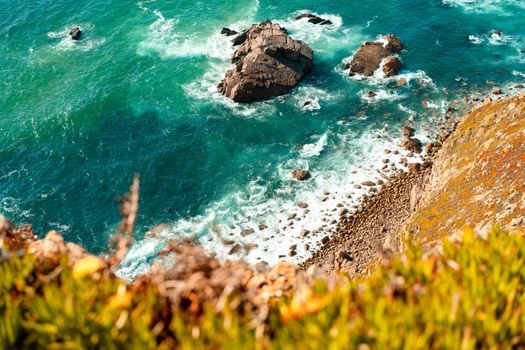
(478, 177)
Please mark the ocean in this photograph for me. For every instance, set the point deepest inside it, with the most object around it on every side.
(138, 95)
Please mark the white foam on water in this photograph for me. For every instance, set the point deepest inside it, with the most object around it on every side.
(65, 43)
(500, 7)
(475, 39)
(308, 32)
(324, 39)
(11, 206)
(411, 113)
(380, 95)
(309, 98)
(166, 41)
(314, 149)
(335, 161)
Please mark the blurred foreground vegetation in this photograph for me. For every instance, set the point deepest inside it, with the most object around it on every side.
(467, 293)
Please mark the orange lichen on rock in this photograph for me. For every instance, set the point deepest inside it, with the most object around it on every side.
(478, 177)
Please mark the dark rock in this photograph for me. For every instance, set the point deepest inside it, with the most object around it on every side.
(75, 33)
(413, 145)
(432, 148)
(345, 256)
(314, 19)
(301, 174)
(391, 66)
(408, 131)
(414, 167)
(393, 43)
(497, 91)
(234, 249)
(239, 39)
(228, 32)
(325, 240)
(369, 56)
(368, 183)
(302, 205)
(247, 232)
(269, 63)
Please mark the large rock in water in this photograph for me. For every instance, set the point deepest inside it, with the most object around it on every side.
(369, 56)
(269, 63)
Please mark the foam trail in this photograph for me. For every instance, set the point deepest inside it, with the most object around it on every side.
(315, 149)
(501, 7)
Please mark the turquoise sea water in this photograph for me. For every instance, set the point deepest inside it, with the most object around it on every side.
(137, 94)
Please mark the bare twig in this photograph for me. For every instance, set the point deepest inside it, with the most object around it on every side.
(128, 210)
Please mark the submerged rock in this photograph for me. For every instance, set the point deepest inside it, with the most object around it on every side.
(228, 32)
(368, 57)
(75, 33)
(314, 19)
(268, 63)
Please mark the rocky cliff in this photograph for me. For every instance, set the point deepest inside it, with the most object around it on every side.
(478, 177)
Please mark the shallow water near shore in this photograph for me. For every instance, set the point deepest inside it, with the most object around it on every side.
(138, 94)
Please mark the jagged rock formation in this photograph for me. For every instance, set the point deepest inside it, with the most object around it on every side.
(369, 56)
(268, 63)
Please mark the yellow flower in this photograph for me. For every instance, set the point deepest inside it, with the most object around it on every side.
(87, 266)
(121, 299)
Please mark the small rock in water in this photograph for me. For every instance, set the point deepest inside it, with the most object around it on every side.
(228, 32)
(301, 174)
(368, 183)
(302, 205)
(75, 33)
(401, 82)
(314, 19)
(234, 249)
(408, 131)
(247, 232)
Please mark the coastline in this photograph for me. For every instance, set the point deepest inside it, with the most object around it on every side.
(365, 237)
